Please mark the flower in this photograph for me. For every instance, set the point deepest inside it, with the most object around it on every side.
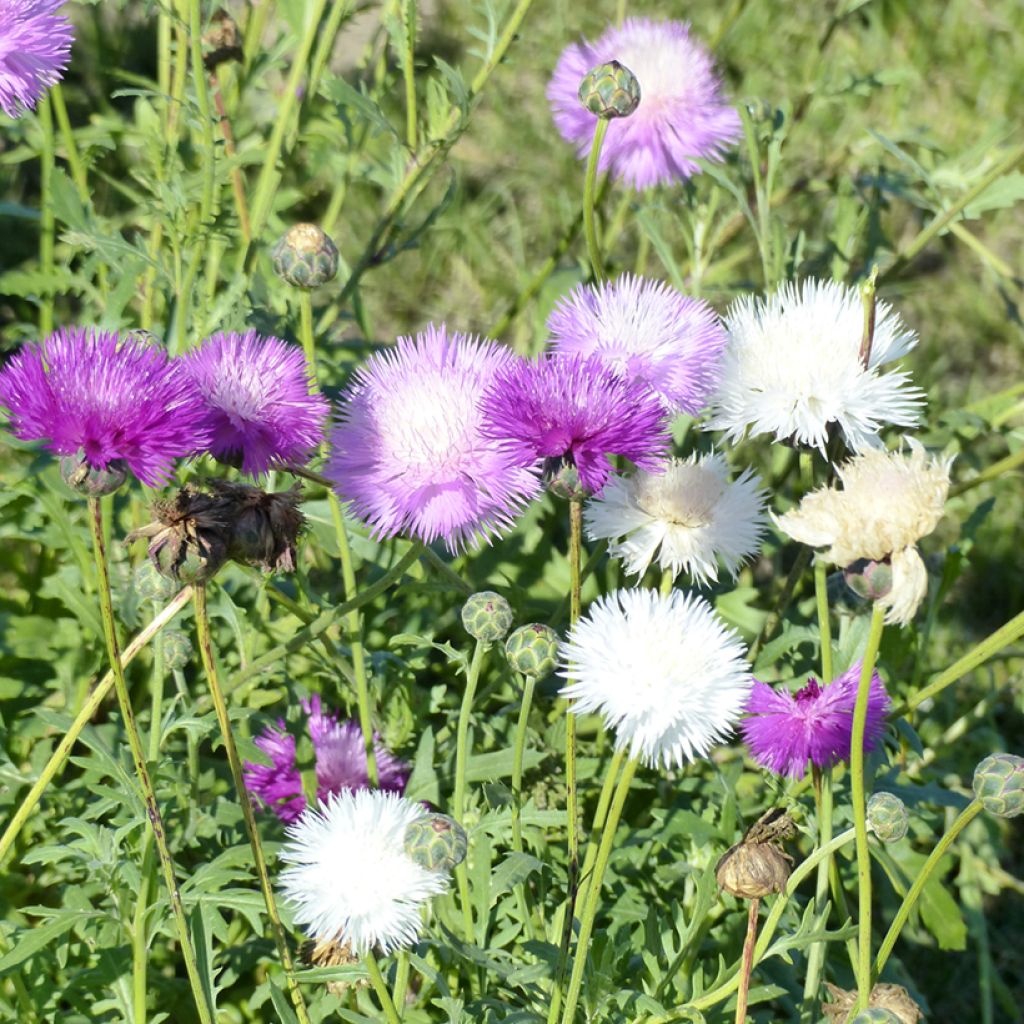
(793, 366)
(86, 390)
(645, 330)
(35, 46)
(689, 516)
(784, 731)
(340, 763)
(409, 450)
(567, 408)
(257, 392)
(351, 879)
(682, 116)
(664, 672)
(887, 503)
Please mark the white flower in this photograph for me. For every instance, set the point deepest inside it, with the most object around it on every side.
(688, 517)
(793, 366)
(887, 503)
(664, 671)
(352, 880)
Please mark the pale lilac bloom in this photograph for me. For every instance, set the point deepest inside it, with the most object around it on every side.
(645, 330)
(86, 390)
(566, 409)
(262, 408)
(785, 730)
(682, 116)
(340, 763)
(35, 47)
(409, 450)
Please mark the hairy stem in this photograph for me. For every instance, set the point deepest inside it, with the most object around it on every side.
(589, 202)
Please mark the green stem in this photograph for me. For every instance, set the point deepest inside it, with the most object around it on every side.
(141, 770)
(594, 890)
(409, 73)
(774, 617)
(528, 682)
(860, 714)
(401, 979)
(824, 627)
(575, 590)
(969, 813)
(589, 204)
(306, 336)
(248, 815)
(380, 987)
(85, 715)
(816, 956)
(47, 221)
(600, 816)
(997, 469)
(71, 153)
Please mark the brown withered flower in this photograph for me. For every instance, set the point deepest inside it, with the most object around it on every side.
(331, 953)
(894, 998)
(222, 42)
(757, 865)
(265, 527)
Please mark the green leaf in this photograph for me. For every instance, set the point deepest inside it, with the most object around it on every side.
(32, 940)
(515, 868)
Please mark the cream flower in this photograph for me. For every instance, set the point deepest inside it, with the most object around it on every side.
(689, 517)
(888, 501)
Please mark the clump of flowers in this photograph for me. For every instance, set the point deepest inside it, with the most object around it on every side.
(688, 517)
(888, 501)
(88, 393)
(647, 331)
(410, 451)
(340, 763)
(664, 672)
(785, 731)
(261, 406)
(682, 116)
(793, 366)
(35, 47)
(559, 410)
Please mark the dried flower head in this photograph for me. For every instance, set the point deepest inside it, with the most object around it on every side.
(265, 527)
(681, 118)
(758, 865)
(222, 41)
(894, 999)
(35, 47)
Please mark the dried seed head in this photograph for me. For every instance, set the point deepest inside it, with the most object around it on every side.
(889, 1003)
(757, 865)
(265, 527)
(222, 42)
(331, 953)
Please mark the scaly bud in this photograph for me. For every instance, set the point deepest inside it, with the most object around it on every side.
(532, 649)
(610, 90)
(887, 817)
(487, 616)
(84, 479)
(305, 257)
(999, 785)
(436, 842)
(177, 649)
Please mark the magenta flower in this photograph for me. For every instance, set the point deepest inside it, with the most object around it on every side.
(35, 46)
(340, 763)
(409, 451)
(85, 390)
(257, 392)
(784, 730)
(566, 409)
(682, 116)
(645, 330)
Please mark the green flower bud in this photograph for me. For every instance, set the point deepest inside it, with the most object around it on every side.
(877, 1015)
(887, 817)
(563, 480)
(532, 650)
(869, 580)
(305, 257)
(610, 90)
(999, 784)
(177, 649)
(84, 479)
(487, 616)
(436, 842)
(151, 586)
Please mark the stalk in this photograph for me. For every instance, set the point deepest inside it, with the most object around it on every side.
(528, 683)
(46, 222)
(380, 987)
(589, 202)
(575, 587)
(816, 956)
(747, 962)
(409, 73)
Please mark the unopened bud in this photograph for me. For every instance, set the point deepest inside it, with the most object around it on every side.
(532, 649)
(869, 580)
(89, 481)
(305, 257)
(436, 842)
(176, 648)
(887, 817)
(563, 480)
(150, 585)
(876, 1015)
(610, 90)
(999, 785)
(487, 616)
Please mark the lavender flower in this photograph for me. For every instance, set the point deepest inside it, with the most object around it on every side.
(35, 45)
(409, 451)
(682, 116)
(340, 763)
(85, 390)
(784, 730)
(569, 409)
(257, 393)
(645, 330)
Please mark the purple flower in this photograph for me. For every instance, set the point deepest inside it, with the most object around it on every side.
(645, 330)
(257, 394)
(409, 451)
(35, 45)
(569, 409)
(85, 390)
(340, 763)
(784, 731)
(682, 116)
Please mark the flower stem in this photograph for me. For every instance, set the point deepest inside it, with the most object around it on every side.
(966, 816)
(575, 587)
(380, 987)
(824, 627)
(401, 979)
(774, 617)
(409, 72)
(529, 682)
(235, 763)
(589, 203)
(816, 956)
(141, 769)
(44, 115)
(747, 963)
(860, 714)
(306, 331)
(997, 469)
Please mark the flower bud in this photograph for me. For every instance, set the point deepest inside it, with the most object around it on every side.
(222, 42)
(887, 817)
(610, 90)
(436, 842)
(999, 784)
(89, 481)
(149, 585)
(869, 580)
(562, 479)
(305, 257)
(264, 528)
(532, 649)
(176, 648)
(487, 616)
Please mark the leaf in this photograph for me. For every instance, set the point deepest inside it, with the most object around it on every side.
(515, 868)
(498, 764)
(1003, 193)
(32, 940)
(285, 1013)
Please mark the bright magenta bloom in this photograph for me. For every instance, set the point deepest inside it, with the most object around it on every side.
(35, 45)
